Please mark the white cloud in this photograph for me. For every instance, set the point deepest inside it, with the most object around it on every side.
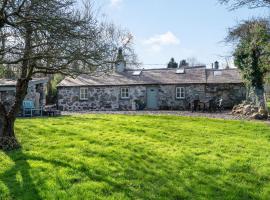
(115, 3)
(156, 42)
(164, 39)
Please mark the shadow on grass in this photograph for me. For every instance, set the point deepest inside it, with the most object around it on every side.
(141, 181)
(188, 178)
(18, 179)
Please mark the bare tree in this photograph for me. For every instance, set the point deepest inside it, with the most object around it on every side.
(235, 4)
(192, 61)
(49, 37)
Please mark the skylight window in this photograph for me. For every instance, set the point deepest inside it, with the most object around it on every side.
(180, 71)
(217, 73)
(137, 73)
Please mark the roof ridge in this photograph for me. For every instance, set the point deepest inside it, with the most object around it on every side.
(153, 69)
(210, 69)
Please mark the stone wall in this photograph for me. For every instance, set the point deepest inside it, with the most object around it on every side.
(99, 98)
(108, 97)
(7, 97)
(231, 94)
(167, 96)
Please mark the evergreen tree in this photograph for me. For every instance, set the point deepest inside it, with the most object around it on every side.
(252, 56)
(172, 63)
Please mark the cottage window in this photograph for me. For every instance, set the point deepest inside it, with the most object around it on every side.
(124, 93)
(180, 93)
(83, 94)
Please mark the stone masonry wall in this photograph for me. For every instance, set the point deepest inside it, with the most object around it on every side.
(232, 94)
(167, 96)
(108, 97)
(7, 97)
(99, 98)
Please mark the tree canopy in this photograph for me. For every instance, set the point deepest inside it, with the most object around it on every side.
(172, 63)
(183, 63)
(51, 37)
(252, 54)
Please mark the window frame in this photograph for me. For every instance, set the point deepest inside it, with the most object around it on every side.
(83, 93)
(126, 92)
(180, 92)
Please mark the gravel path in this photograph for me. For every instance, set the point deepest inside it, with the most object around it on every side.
(218, 115)
(223, 115)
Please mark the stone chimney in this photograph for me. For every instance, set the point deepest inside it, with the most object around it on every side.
(216, 64)
(120, 63)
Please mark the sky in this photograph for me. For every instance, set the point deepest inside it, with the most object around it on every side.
(177, 28)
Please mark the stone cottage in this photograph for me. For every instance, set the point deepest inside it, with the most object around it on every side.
(36, 91)
(165, 88)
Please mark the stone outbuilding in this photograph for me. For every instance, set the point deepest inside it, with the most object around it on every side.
(36, 91)
(164, 89)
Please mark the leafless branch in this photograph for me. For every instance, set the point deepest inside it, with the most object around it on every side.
(235, 4)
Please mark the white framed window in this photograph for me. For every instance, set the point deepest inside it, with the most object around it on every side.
(124, 93)
(83, 93)
(180, 93)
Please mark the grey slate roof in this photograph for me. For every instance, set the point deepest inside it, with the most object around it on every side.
(227, 76)
(7, 82)
(192, 75)
(12, 83)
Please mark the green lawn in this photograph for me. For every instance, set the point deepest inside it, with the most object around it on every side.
(137, 157)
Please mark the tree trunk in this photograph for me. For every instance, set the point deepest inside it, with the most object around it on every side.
(258, 98)
(256, 95)
(8, 139)
(261, 98)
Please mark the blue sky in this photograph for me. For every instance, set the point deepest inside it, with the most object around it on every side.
(176, 28)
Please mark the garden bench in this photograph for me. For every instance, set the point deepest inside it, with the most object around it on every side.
(29, 109)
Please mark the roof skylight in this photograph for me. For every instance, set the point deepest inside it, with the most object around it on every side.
(217, 73)
(180, 71)
(137, 73)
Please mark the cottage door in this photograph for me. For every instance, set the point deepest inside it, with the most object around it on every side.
(152, 98)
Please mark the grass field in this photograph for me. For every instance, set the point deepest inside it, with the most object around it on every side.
(137, 157)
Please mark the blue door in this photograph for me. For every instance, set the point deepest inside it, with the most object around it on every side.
(152, 98)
